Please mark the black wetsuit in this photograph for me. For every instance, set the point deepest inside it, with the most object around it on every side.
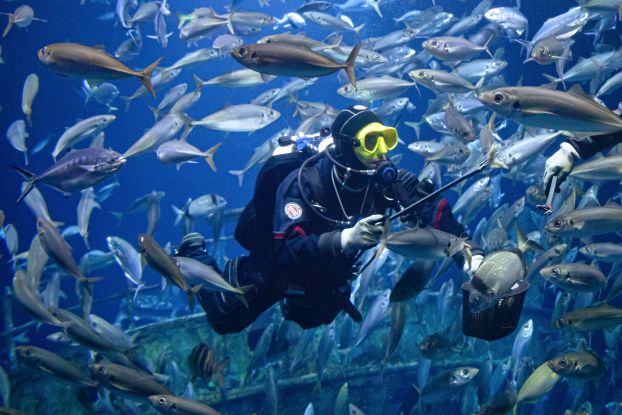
(308, 271)
(589, 146)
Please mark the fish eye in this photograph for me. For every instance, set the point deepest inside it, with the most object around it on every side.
(557, 223)
(162, 401)
(434, 43)
(242, 51)
(28, 353)
(101, 370)
(254, 55)
(555, 271)
(465, 372)
(562, 362)
(498, 97)
(347, 89)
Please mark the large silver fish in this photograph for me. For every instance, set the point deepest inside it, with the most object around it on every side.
(545, 108)
(82, 130)
(239, 118)
(59, 250)
(168, 404)
(78, 170)
(30, 298)
(91, 63)
(126, 381)
(50, 363)
(586, 222)
(605, 168)
(575, 277)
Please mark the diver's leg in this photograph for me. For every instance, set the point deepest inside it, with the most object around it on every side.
(226, 313)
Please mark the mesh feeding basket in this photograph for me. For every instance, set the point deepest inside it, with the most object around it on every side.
(495, 322)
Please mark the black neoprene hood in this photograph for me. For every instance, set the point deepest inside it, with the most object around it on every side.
(347, 123)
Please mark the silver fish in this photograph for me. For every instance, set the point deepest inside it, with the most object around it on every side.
(332, 22)
(170, 98)
(239, 118)
(261, 154)
(76, 171)
(23, 16)
(167, 404)
(586, 222)
(606, 168)
(128, 259)
(378, 311)
(372, 89)
(31, 87)
(163, 131)
(607, 252)
(545, 108)
(180, 152)
(82, 130)
(30, 298)
(50, 363)
(85, 209)
(58, 250)
(37, 258)
(575, 277)
(451, 48)
(591, 318)
(442, 81)
(17, 135)
(494, 278)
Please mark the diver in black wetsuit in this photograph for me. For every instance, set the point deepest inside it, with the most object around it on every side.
(326, 212)
(562, 162)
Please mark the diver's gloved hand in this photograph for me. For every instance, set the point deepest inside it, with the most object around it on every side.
(363, 235)
(560, 164)
(476, 261)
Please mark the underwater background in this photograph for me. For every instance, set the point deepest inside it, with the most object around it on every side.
(60, 103)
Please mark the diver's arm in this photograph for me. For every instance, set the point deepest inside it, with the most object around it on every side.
(589, 146)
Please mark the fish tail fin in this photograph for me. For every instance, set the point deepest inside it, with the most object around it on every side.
(240, 174)
(486, 47)
(9, 25)
(118, 216)
(209, 156)
(128, 102)
(30, 177)
(357, 29)
(179, 214)
(29, 118)
(192, 293)
(182, 19)
(350, 64)
(198, 83)
(136, 290)
(230, 23)
(145, 76)
(244, 290)
(525, 244)
(480, 83)
(552, 80)
(155, 112)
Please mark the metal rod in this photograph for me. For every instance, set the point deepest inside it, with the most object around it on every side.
(483, 164)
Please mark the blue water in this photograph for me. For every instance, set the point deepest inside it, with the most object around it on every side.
(58, 105)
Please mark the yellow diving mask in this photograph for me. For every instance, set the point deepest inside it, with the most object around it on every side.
(375, 140)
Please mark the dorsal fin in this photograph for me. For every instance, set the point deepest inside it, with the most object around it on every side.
(577, 91)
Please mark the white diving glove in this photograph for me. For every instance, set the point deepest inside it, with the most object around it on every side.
(560, 164)
(476, 261)
(363, 235)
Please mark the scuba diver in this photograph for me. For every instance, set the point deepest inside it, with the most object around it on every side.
(562, 162)
(312, 215)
